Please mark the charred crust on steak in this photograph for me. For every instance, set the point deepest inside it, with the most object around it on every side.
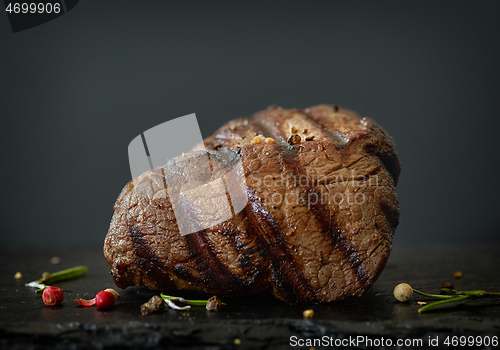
(305, 251)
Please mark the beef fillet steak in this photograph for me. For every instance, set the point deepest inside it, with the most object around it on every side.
(318, 226)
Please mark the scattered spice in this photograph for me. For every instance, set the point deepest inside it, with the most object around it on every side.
(449, 297)
(18, 275)
(294, 139)
(310, 138)
(458, 275)
(448, 285)
(403, 292)
(421, 302)
(52, 296)
(294, 130)
(256, 139)
(156, 303)
(55, 260)
(214, 303)
(308, 313)
(218, 145)
(270, 140)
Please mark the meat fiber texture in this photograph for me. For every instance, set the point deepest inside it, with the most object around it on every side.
(318, 225)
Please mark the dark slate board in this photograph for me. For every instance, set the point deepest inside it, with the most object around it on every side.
(257, 322)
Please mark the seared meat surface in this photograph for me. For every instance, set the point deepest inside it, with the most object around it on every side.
(318, 226)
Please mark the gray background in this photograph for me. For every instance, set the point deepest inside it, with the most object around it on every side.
(75, 91)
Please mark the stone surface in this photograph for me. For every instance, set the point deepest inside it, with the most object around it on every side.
(259, 321)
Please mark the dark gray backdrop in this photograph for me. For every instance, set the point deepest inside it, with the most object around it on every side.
(75, 91)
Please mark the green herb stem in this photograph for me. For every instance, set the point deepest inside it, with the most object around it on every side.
(194, 302)
(68, 274)
(477, 293)
(170, 298)
(445, 303)
(437, 296)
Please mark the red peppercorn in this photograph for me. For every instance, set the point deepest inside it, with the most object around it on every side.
(52, 296)
(104, 300)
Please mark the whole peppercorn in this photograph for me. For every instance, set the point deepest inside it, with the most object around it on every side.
(156, 303)
(308, 313)
(403, 292)
(114, 292)
(104, 300)
(52, 296)
(214, 303)
(257, 139)
(294, 139)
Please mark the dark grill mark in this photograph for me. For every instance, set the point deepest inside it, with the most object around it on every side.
(328, 225)
(152, 267)
(338, 140)
(327, 222)
(213, 273)
(120, 274)
(388, 159)
(287, 277)
(246, 254)
(276, 134)
(184, 272)
(391, 164)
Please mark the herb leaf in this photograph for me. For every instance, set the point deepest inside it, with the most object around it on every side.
(446, 303)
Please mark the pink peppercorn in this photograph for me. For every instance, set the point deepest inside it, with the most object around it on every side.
(52, 296)
(104, 300)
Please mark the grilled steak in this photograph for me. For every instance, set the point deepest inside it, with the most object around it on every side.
(321, 213)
